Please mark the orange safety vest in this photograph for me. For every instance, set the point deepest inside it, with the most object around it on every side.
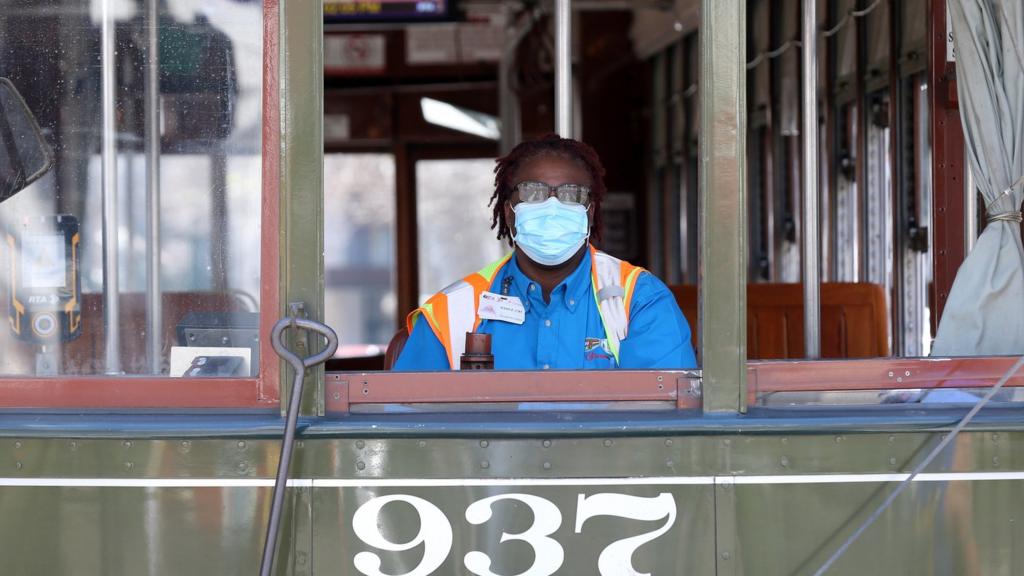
(453, 311)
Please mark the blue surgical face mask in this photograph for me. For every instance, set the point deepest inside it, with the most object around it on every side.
(550, 232)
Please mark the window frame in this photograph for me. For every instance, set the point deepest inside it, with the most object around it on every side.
(165, 392)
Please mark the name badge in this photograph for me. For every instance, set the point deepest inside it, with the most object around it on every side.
(499, 307)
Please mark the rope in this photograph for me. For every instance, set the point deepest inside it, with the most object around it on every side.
(772, 54)
(1014, 216)
(846, 19)
(917, 470)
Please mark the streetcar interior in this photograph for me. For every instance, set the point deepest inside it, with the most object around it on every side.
(155, 224)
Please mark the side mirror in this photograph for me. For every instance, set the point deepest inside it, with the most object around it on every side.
(24, 154)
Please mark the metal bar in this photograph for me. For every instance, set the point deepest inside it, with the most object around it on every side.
(111, 304)
(154, 312)
(970, 207)
(810, 238)
(508, 100)
(723, 218)
(563, 68)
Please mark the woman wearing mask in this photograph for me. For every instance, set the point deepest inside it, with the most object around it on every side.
(555, 302)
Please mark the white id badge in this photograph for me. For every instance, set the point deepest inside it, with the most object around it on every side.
(498, 307)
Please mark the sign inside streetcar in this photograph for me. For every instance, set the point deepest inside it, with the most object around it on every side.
(347, 11)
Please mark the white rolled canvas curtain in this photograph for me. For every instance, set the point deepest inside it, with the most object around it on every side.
(985, 310)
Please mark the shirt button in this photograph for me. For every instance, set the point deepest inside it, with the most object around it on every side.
(547, 367)
(572, 302)
(547, 323)
(530, 288)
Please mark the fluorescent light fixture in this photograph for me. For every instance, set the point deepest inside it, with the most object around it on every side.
(460, 119)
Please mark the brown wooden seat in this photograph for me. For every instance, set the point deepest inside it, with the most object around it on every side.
(854, 319)
(395, 348)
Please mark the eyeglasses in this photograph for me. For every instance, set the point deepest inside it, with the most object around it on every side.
(533, 192)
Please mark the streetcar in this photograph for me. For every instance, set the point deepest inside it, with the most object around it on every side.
(217, 215)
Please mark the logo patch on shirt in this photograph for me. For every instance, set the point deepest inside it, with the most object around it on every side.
(596, 349)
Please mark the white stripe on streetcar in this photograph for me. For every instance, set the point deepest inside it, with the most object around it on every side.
(468, 482)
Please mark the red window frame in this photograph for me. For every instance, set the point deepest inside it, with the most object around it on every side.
(263, 391)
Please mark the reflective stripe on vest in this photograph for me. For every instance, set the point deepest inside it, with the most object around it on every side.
(453, 311)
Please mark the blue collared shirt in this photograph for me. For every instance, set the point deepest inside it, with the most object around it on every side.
(567, 333)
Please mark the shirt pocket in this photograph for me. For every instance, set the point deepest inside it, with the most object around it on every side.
(597, 355)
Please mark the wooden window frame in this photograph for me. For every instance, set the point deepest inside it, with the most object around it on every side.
(149, 392)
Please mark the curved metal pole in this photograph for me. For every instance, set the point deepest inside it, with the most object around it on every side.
(563, 68)
(810, 238)
(284, 463)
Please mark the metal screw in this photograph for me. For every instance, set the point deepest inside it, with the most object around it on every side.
(892, 438)
(360, 465)
(73, 445)
(485, 464)
(892, 460)
(891, 374)
(839, 439)
(128, 465)
(17, 444)
(726, 556)
(127, 443)
(547, 465)
(907, 373)
(995, 437)
(241, 444)
(17, 465)
(668, 442)
(242, 467)
(336, 396)
(546, 443)
(608, 443)
(484, 443)
(661, 378)
(995, 461)
(360, 444)
(422, 444)
(784, 461)
(784, 440)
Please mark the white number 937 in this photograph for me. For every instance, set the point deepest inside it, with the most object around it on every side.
(435, 533)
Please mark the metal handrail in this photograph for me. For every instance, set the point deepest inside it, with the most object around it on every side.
(299, 365)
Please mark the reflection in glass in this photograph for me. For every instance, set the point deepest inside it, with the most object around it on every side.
(209, 83)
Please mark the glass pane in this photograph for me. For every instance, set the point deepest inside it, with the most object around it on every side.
(455, 235)
(61, 255)
(359, 251)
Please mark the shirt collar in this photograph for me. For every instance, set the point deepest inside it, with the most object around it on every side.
(573, 289)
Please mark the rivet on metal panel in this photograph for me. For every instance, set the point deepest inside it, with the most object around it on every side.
(185, 447)
(422, 444)
(243, 467)
(892, 460)
(127, 443)
(128, 465)
(995, 461)
(485, 464)
(892, 438)
(360, 444)
(547, 465)
(336, 396)
(366, 391)
(608, 443)
(484, 443)
(17, 444)
(891, 374)
(546, 443)
(726, 555)
(668, 442)
(18, 464)
(360, 465)
(899, 378)
(72, 445)
(784, 461)
(661, 378)
(241, 444)
(784, 440)
(839, 439)
(995, 437)
(727, 442)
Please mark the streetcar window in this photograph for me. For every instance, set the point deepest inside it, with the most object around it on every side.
(97, 92)
(359, 251)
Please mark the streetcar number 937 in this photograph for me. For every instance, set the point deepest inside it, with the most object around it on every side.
(435, 533)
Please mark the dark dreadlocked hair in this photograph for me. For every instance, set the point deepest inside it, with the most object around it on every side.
(547, 145)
